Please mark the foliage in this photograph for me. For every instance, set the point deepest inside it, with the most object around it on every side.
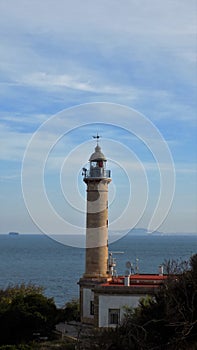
(49, 345)
(24, 310)
(11, 292)
(14, 347)
(71, 312)
(176, 267)
(167, 321)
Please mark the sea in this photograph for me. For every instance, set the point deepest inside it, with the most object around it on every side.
(42, 261)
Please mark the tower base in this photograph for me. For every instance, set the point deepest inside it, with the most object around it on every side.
(87, 299)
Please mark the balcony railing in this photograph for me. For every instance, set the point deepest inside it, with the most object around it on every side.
(97, 173)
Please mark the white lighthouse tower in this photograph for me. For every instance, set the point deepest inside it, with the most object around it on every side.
(97, 178)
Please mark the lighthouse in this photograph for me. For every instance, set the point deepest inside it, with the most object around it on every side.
(103, 295)
(97, 178)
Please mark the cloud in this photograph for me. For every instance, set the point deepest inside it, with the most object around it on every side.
(186, 168)
(13, 144)
(15, 121)
(60, 54)
(88, 16)
(136, 54)
(95, 29)
(9, 177)
(52, 82)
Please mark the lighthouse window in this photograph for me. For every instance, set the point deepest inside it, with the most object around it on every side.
(91, 307)
(106, 222)
(114, 316)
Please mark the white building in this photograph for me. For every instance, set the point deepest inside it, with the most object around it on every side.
(103, 304)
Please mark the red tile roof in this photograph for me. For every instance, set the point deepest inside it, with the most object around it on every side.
(147, 280)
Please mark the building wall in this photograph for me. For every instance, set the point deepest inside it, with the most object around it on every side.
(111, 301)
(88, 296)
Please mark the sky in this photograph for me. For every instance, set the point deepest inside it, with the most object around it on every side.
(126, 70)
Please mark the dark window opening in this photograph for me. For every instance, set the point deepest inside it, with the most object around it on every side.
(114, 316)
(91, 307)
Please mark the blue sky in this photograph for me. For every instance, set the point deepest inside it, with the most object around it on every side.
(59, 54)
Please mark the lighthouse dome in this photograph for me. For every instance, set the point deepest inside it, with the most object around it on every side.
(97, 155)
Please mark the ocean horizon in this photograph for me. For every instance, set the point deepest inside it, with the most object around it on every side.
(41, 260)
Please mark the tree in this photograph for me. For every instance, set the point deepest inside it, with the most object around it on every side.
(13, 347)
(24, 310)
(71, 312)
(11, 292)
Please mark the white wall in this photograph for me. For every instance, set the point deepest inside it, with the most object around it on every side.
(107, 302)
(88, 295)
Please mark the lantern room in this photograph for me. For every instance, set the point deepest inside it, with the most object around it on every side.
(97, 167)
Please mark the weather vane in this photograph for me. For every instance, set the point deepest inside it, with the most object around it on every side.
(97, 137)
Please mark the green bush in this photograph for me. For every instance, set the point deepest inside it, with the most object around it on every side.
(71, 312)
(15, 347)
(24, 311)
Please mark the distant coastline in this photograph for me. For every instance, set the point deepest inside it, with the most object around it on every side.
(13, 234)
(121, 233)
